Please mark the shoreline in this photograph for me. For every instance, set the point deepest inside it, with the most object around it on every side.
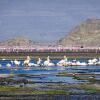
(53, 55)
(61, 92)
(49, 97)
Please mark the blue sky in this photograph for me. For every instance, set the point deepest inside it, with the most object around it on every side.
(44, 20)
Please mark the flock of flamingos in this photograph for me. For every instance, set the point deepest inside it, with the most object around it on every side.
(63, 62)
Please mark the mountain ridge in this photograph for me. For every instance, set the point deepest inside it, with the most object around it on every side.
(85, 34)
(18, 41)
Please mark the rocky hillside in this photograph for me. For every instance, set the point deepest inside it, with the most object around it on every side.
(86, 34)
(19, 41)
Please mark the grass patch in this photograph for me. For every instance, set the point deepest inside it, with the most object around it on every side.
(56, 89)
(15, 89)
(90, 87)
(30, 90)
(77, 78)
(50, 92)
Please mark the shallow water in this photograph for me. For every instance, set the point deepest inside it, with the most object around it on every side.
(47, 74)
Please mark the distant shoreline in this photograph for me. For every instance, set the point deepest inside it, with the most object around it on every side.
(53, 55)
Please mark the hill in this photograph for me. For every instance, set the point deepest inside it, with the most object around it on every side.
(86, 34)
(18, 41)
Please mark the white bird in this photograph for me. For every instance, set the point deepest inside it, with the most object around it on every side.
(27, 61)
(33, 65)
(63, 62)
(28, 58)
(39, 62)
(16, 62)
(98, 62)
(3, 59)
(8, 65)
(92, 61)
(78, 63)
(48, 62)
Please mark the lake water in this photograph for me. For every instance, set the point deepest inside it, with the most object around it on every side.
(47, 74)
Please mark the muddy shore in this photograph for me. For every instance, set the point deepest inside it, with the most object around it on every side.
(53, 55)
(49, 97)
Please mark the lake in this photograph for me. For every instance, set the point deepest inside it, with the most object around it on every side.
(42, 75)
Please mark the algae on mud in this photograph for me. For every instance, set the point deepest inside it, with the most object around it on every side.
(54, 89)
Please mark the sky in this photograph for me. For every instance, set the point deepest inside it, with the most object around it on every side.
(44, 20)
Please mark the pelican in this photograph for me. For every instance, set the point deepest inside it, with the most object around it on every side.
(16, 62)
(92, 61)
(39, 62)
(66, 62)
(27, 61)
(65, 58)
(3, 59)
(98, 63)
(28, 58)
(32, 64)
(48, 62)
(74, 62)
(63, 62)
(8, 65)
(78, 63)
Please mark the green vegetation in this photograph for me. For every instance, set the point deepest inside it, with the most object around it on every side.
(62, 74)
(86, 77)
(50, 92)
(91, 87)
(77, 78)
(53, 89)
(29, 90)
(15, 89)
